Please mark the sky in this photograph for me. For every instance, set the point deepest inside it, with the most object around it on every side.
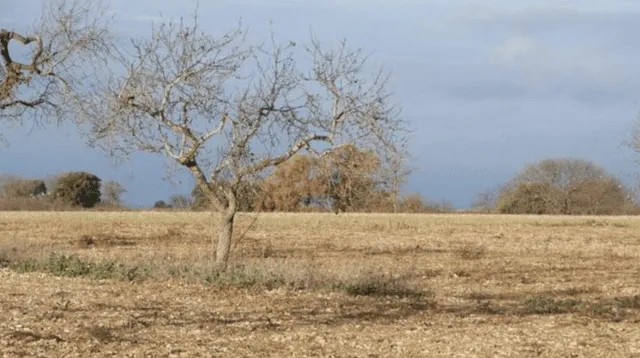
(488, 87)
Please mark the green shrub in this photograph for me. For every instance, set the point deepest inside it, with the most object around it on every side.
(78, 189)
(161, 204)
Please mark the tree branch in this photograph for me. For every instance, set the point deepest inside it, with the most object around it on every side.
(271, 162)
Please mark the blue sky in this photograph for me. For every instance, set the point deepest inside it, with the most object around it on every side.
(488, 88)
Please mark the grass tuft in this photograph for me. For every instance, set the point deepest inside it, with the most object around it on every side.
(472, 252)
(546, 306)
(378, 286)
(73, 266)
(267, 276)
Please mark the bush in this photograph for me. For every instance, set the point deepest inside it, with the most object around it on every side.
(413, 203)
(564, 187)
(179, 201)
(161, 204)
(24, 188)
(32, 204)
(378, 285)
(78, 189)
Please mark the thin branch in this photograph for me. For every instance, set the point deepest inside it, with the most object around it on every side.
(272, 162)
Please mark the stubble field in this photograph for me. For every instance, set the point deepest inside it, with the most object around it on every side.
(319, 285)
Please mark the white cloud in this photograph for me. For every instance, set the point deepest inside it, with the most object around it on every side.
(514, 48)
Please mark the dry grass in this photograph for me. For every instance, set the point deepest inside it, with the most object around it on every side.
(141, 283)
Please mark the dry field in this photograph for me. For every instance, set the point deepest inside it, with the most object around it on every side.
(311, 285)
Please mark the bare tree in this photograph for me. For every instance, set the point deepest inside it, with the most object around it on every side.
(64, 44)
(179, 201)
(563, 186)
(396, 171)
(486, 201)
(112, 192)
(227, 111)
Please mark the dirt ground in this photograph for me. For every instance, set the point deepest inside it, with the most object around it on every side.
(486, 286)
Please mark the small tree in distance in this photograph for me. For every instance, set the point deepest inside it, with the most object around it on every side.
(179, 201)
(486, 201)
(161, 204)
(112, 192)
(228, 112)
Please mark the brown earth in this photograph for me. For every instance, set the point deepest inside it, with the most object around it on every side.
(476, 286)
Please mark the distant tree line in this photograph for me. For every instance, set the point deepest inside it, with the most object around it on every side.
(348, 180)
(70, 190)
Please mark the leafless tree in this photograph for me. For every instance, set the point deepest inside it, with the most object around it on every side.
(112, 192)
(228, 111)
(486, 201)
(395, 170)
(563, 186)
(62, 48)
(179, 201)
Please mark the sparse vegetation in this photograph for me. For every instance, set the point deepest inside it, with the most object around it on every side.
(471, 251)
(73, 266)
(548, 305)
(378, 286)
(239, 276)
(135, 275)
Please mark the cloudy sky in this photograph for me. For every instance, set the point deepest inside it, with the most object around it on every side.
(487, 87)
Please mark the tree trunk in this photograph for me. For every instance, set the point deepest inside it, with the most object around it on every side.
(395, 193)
(225, 232)
(224, 237)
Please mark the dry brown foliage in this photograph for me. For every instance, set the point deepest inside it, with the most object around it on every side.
(23, 188)
(320, 284)
(31, 204)
(344, 180)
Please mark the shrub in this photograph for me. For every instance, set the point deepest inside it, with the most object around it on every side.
(78, 189)
(32, 204)
(564, 187)
(378, 285)
(24, 188)
(179, 201)
(161, 204)
(413, 203)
